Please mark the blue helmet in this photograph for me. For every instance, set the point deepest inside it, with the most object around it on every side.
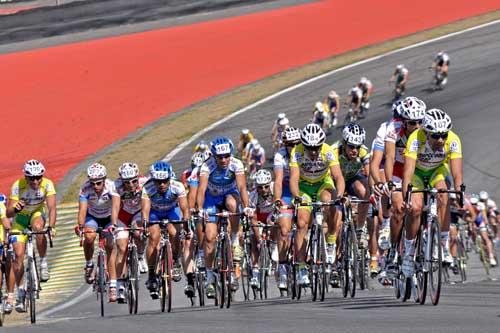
(221, 146)
(161, 170)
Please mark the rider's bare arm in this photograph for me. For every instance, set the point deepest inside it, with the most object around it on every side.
(456, 172)
(408, 171)
(241, 183)
(82, 212)
(338, 178)
(390, 157)
(376, 159)
(51, 206)
(202, 188)
(294, 181)
(145, 208)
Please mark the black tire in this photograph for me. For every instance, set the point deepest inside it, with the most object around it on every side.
(462, 261)
(362, 270)
(421, 276)
(353, 267)
(435, 271)
(168, 279)
(345, 263)
(200, 283)
(245, 275)
(133, 281)
(101, 280)
(322, 267)
(31, 290)
(263, 264)
(406, 290)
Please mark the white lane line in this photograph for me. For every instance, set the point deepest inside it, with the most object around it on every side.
(67, 304)
(197, 135)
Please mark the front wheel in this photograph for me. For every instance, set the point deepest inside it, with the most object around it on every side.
(133, 281)
(436, 265)
(31, 290)
(101, 280)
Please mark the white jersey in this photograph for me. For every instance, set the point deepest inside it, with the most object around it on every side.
(98, 205)
(221, 181)
(282, 162)
(395, 133)
(356, 92)
(130, 201)
(379, 141)
(263, 205)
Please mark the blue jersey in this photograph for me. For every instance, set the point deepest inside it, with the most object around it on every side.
(162, 202)
(221, 181)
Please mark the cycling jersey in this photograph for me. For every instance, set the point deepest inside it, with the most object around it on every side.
(246, 138)
(366, 87)
(221, 181)
(98, 206)
(379, 141)
(350, 168)
(161, 202)
(34, 199)
(281, 162)
(130, 200)
(194, 177)
(400, 74)
(419, 149)
(355, 93)
(313, 171)
(396, 134)
(258, 156)
(263, 206)
(331, 104)
(442, 59)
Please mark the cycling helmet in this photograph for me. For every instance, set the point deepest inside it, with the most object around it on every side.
(206, 154)
(312, 135)
(263, 177)
(283, 122)
(412, 108)
(197, 159)
(128, 170)
(396, 109)
(474, 199)
(333, 94)
(202, 145)
(245, 131)
(483, 196)
(96, 171)
(281, 115)
(257, 146)
(436, 121)
(363, 80)
(400, 67)
(319, 107)
(221, 146)
(161, 170)
(353, 134)
(291, 135)
(33, 168)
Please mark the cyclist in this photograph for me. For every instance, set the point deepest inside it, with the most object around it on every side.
(354, 159)
(274, 130)
(321, 115)
(5, 225)
(277, 135)
(28, 198)
(129, 186)
(366, 87)
(196, 161)
(457, 213)
(440, 67)
(428, 152)
(222, 184)
(256, 158)
(163, 197)
(313, 164)
(245, 137)
(281, 167)
(412, 111)
(249, 146)
(400, 77)
(261, 199)
(332, 101)
(491, 213)
(481, 222)
(353, 100)
(99, 204)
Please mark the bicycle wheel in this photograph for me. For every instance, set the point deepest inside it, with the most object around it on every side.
(223, 278)
(345, 263)
(312, 253)
(421, 275)
(353, 266)
(31, 289)
(322, 282)
(101, 284)
(200, 282)
(362, 271)
(167, 278)
(133, 281)
(435, 269)
(246, 273)
(264, 270)
(482, 254)
(462, 261)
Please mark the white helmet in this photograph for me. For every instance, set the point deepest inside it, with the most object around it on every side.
(281, 115)
(483, 196)
(128, 170)
(284, 122)
(333, 94)
(353, 134)
(257, 146)
(33, 168)
(312, 135)
(263, 177)
(436, 121)
(412, 108)
(474, 199)
(319, 107)
(245, 131)
(291, 134)
(363, 80)
(400, 67)
(253, 142)
(197, 159)
(96, 171)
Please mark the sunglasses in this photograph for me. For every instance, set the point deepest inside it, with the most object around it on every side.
(413, 122)
(223, 157)
(130, 181)
(314, 149)
(34, 178)
(437, 136)
(263, 187)
(351, 146)
(291, 145)
(161, 181)
(97, 183)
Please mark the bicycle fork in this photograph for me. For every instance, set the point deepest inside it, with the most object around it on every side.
(431, 217)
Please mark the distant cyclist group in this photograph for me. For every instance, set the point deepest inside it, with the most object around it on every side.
(322, 216)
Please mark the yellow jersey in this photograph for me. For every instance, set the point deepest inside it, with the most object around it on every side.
(34, 199)
(419, 149)
(246, 138)
(313, 171)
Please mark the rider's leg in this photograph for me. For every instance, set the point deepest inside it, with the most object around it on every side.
(232, 205)
(303, 220)
(121, 255)
(285, 223)
(255, 239)
(152, 248)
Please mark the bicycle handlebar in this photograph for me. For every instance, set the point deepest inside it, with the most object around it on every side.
(28, 232)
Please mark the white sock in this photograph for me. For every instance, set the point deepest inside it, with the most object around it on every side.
(445, 235)
(410, 247)
(235, 239)
(90, 263)
(43, 262)
(386, 222)
(112, 283)
(201, 253)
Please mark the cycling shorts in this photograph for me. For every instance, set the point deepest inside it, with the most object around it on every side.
(127, 218)
(309, 190)
(23, 222)
(434, 176)
(173, 214)
(213, 204)
(286, 199)
(349, 184)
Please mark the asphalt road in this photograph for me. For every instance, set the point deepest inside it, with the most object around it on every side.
(471, 98)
